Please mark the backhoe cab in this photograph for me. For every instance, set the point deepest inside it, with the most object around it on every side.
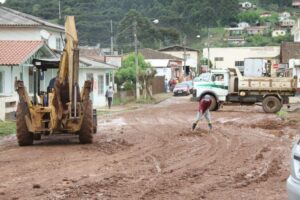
(61, 109)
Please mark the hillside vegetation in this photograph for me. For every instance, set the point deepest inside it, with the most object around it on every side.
(177, 19)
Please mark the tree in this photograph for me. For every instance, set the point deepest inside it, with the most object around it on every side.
(126, 75)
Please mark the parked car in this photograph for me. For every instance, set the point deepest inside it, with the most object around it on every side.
(190, 83)
(181, 89)
(293, 182)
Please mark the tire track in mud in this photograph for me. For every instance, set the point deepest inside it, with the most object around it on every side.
(152, 154)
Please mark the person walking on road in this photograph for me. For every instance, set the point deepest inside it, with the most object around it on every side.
(109, 95)
(203, 110)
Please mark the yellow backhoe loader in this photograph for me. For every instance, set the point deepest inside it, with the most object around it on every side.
(61, 109)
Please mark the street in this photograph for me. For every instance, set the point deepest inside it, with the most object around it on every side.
(151, 153)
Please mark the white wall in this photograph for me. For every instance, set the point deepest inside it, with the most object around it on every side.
(192, 61)
(30, 34)
(230, 55)
(164, 72)
(99, 100)
(8, 79)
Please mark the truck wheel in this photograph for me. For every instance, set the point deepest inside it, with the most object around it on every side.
(86, 130)
(214, 104)
(25, 138)
(271, 104)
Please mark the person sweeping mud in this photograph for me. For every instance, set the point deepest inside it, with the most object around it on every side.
(203, 110)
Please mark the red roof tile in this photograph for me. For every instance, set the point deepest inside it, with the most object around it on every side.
(16, 52)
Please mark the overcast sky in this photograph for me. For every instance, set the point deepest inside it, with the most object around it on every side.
(2, 1)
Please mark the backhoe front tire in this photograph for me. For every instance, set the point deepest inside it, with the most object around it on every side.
(271, 104)
(86, 131)
(25, 138)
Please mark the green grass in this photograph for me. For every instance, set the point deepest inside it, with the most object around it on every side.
(7, 128)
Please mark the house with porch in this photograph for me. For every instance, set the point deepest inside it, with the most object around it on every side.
(16, 63)
(166, 65)
(15, 25)
(189, 56)
(100, 73)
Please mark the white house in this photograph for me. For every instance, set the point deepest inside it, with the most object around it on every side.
(284, 15)
(15, 63)
(235, 35)
(189, 56)
(166, 65)
(15, 25)
(235, 56)
(265, 14)
(278, 32)
(287, 23)
(296, 31)
(102, 75)
(246, 5)
(243, 25)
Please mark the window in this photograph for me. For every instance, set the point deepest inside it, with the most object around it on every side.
(100, 84)
(1, 82)
(218, 77)
(89, 76)
(107, 79)
(219, 59)
(239, 63)
(31, 79)
(58, 44)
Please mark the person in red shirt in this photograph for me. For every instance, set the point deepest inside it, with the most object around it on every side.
(203, 110)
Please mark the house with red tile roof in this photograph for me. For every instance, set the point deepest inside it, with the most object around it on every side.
(15, 63)
(15, 25)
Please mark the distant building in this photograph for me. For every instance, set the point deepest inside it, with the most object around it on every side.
(235, 35)
(287, 23)
(243, 25)
(290, 55)
(296, 31)
(284, 15)
(191, 55)
(235, 56)
(257, 30)
(166, 65)
(245, 5)
(296, 3)
(278, 32)
(265, 14)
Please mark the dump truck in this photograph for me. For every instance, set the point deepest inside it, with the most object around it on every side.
(62, 109)
(229, 86)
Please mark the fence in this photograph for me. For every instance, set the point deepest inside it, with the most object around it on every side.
(8, 107)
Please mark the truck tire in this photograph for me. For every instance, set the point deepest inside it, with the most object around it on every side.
(25, 138)
(86, 130)
(214, 104)
(271, 104)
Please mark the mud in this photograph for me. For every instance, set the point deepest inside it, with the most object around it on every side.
(151, 153)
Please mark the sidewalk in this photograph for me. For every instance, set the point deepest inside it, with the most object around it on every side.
(133, 105)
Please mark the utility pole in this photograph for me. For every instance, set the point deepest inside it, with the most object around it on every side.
(59, 10)
(137, 85)
(208, 53)
(184, 55)
(111, 38)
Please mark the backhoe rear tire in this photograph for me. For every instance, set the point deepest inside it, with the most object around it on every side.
(25, 138)
(271, 104)
(86, 131)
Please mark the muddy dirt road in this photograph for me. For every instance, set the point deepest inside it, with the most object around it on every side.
(151, 153)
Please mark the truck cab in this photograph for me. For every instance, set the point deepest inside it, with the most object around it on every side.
(214, 83)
